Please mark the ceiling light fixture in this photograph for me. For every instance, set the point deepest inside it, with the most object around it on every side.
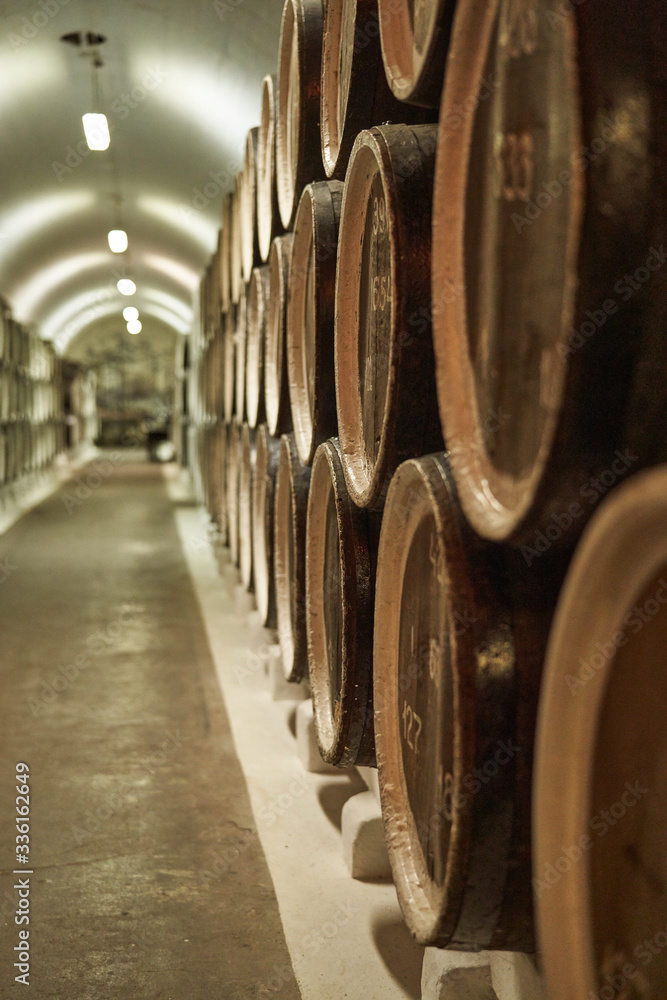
(134, 326)
(126, 286)
(96, 131)
(130, 313)
(118, 241)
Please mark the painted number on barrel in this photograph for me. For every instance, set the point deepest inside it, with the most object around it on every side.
(519, 28)
(447, 797)
(381, 283)
(411, 721)
(516, 165)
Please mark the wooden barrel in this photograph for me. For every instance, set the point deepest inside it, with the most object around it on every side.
(220, 458)
(458, 652)
(415, 39)
(226, 250)
(232, 479)
(276, 385)
(258, 313)
(354, 94)
(541, 208)
(339, 614)
(600, 817)
(310, 317)
(229, 364)
(385, 383)
(249, 239)
(268, 213)
(235, 257)
(289, 555)
(267, 453)
(240, 340)
(246, 477)
(298, 155)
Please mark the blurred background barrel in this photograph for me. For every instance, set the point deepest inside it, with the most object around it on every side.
(240, 341)
(268, 213)
(600, 817)
(267, 453)
(415, 39)
(340, 570)
(235, 253)
(289, 554)
(276, 386)
(385, 383)
(233, 477)
(310, 317)
(229, 365)
(226, 250)
(541, 207)
(246, 478)
(249, 238)
(258, 311)
(298, 154)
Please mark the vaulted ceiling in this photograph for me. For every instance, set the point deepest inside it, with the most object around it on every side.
(181, 86)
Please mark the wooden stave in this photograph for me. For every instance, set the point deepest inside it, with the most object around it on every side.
(410, 363)
(583, 436)
(417, 77)
(291, 496)
(592, 731)
(269, 224)
(246, 477)
(316, 226)
(249, 238)
(345, 733)
(305, 18)
(502, 612)
(267, 454)
(276, 385)
(258, 307)
(232, 479)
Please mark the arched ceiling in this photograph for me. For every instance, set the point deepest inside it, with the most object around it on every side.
(181, 86)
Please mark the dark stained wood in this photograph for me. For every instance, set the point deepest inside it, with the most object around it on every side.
(268, 214)
(415, 39)
(289, 554)
(263, 492)
(310, 317)
(298, 155)
(385, 383)
(276, 386)
(548, 217)
(339, 614)
(258, 313)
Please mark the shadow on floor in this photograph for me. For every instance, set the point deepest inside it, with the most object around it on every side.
(400, 953)
(335, 794)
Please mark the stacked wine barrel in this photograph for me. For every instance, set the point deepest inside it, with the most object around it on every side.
(440, 346)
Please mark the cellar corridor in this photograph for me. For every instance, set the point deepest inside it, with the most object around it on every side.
(109, 695)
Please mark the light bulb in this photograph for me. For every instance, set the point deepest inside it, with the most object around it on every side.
(126, 286)
(117, 240)
(96, 129)
(130, 313)
(134, 326)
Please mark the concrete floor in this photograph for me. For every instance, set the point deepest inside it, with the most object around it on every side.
(137, 795)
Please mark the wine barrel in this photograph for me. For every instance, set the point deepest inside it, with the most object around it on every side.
(458, 652)
(600, 817)
(289, 555)
(267, 453)
(339, 614)
(226, 250)
(415, 39)
(220, 515)
(240, 340)
(258, 312)
(235, 258)
(229, 363)
(276, 386)
(310, 317)
(540, 208)
(268, 213)
(354, 92)
(249, 240)
(385, 383)
(232, 479)
(246, 477)
(298, 155)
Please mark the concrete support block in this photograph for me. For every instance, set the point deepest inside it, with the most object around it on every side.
(369, 776)
(517, 976)
(306, 740)
(279, 688)
(364, 847)
(457, 975)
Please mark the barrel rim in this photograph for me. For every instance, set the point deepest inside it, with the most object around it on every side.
(267, 205)
(414, 71)
(276, 392)
(258, 298)
(247, 465)
(267, 453)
